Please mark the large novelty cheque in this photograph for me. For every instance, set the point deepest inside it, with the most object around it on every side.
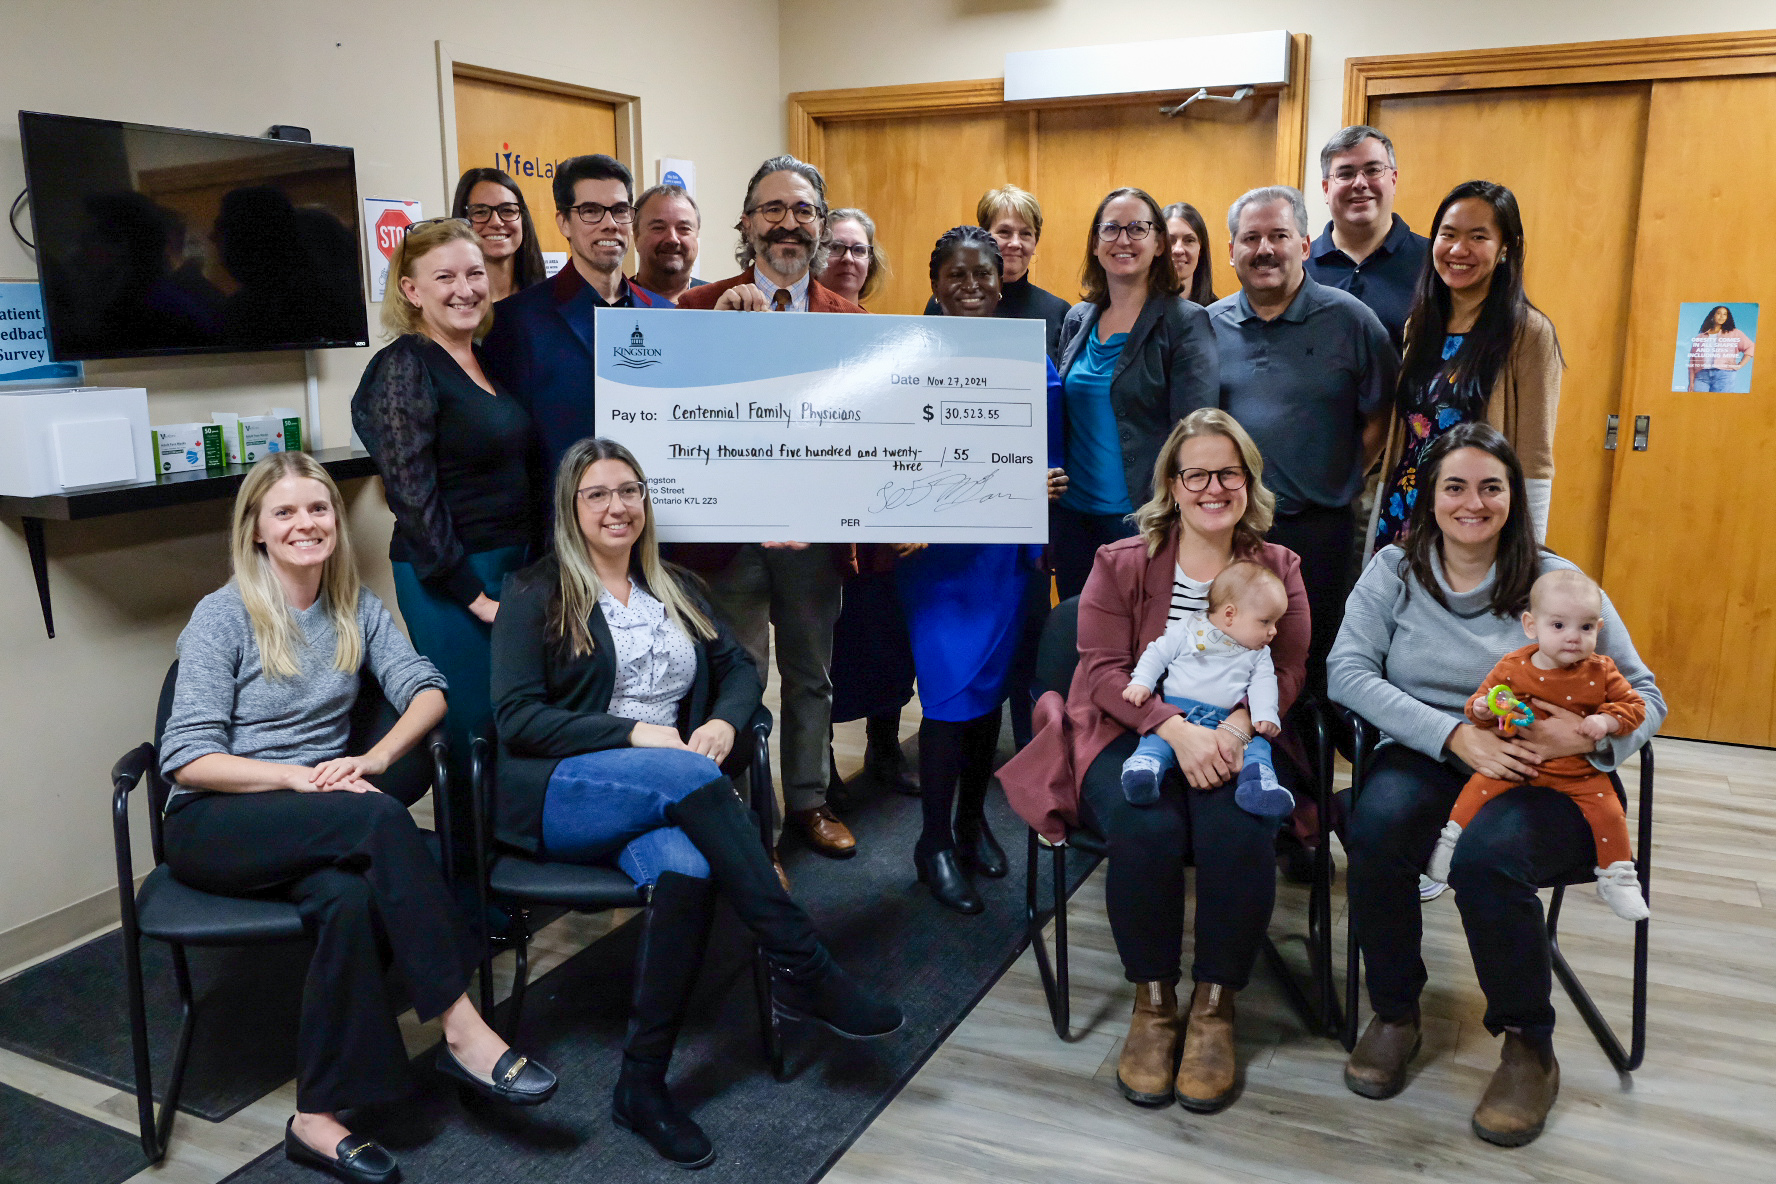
(822, 428)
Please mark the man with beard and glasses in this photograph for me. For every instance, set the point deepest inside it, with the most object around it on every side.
(792, 587)
(667, 222)
(541, 346)
(1307, 369)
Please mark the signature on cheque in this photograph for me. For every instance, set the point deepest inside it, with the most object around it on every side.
(940, 492)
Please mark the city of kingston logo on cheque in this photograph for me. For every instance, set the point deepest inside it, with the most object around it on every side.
(637, 355)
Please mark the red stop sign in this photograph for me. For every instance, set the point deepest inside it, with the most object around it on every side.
(390, 228)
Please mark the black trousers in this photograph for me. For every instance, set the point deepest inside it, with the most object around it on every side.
(1144, 888)
(1322, 536)
(1073, 541)
(1531, 836)
(358, 869)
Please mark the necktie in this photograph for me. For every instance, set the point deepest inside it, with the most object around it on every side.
(780, 300)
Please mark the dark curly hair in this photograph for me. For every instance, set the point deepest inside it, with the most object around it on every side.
(958, 237)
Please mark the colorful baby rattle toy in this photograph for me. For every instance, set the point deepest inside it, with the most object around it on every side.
(1512, 712)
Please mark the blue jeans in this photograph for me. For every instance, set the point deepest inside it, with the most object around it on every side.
(1713, 380)
(613, 803)
(1257, 752)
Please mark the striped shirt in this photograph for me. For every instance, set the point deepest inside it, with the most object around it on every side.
(1188, 595)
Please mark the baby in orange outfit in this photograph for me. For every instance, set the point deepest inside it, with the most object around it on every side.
(1562, 666)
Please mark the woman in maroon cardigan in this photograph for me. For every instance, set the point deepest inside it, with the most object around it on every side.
(1209, 507)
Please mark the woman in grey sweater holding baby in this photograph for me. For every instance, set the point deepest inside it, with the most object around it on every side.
(1422, 628)
(267, 799)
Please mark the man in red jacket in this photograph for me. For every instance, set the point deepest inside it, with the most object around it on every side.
(792, 586)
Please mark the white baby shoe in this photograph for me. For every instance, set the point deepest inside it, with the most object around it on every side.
(1438, 869)
(1618, 885)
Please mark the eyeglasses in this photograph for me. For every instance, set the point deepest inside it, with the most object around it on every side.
(774, 211)
(508, 211)
(1371, 172)
(1136, 231)
(413, 226)
(857, 251)
(597, 497)
(1197, 480)
(590, 212)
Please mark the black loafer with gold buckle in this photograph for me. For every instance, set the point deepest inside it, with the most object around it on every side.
(517, 1079)
(361, 1161)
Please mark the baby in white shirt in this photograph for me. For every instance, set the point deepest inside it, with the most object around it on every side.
(1212, 662)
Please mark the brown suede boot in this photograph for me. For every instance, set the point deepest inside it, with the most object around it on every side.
(1377, 1065)
(1520, 1094)
(1206, 1069)
(1144, 1074)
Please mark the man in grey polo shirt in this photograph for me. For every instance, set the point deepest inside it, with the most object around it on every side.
(1308, 370)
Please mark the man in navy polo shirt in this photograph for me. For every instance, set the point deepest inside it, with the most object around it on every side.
(1308, 370)
(1367, 249)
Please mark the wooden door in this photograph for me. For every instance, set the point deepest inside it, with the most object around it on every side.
(918, 175)
(526, 130)
(1573, 157)
(1690, 564)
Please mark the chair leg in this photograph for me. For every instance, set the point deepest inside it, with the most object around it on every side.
(152, 1144)
(520, 974)
(1063, 983)
(770, 1029)
(1033, 928)
(1625, 1060)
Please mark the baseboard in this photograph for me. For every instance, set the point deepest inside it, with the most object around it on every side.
(30, 943)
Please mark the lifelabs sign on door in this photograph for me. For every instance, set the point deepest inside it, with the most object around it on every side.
(385, 222)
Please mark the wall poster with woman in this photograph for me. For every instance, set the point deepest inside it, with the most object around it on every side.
(1715, 344)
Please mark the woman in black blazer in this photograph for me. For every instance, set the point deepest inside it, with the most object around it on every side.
(1136, 357)
(617, 697)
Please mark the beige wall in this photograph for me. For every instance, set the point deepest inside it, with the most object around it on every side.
(840, 43)
(357, 72)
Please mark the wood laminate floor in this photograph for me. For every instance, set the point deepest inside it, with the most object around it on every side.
(1004, 1101)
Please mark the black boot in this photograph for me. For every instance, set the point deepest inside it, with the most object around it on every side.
(976, 848)
(938, 871)
(807, 983)
(883, 761)
(675, 930)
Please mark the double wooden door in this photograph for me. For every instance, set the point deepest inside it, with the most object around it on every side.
(1639, 196)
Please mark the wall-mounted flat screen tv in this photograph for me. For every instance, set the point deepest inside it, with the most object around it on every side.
(153, 240)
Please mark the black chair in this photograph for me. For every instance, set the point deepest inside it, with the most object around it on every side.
(1366, 739)
(507, 877)
(1317, 1003)
(168, 911)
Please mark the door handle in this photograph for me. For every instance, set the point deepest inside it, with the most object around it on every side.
(1610, 424)
(1642, 426)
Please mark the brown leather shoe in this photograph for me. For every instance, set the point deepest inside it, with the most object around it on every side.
(1144, 1073)
(1377, 1065)
(1206, 1070)
(777, 866)
(1519, 1096)
(825, 833)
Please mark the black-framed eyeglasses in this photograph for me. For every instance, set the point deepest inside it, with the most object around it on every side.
(597, 497)
(591, 213)
(1136, 231)
(506, 211)
(1371, 172)
(857, 251)
(775, 211)
(1197, 480)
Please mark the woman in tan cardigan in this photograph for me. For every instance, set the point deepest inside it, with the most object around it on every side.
(1476, 348)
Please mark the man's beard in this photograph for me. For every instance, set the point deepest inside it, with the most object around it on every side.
(771, 246)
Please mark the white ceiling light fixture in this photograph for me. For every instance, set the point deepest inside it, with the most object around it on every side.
(1246, 60)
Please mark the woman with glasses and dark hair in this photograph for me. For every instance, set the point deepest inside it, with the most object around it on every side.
(459, 461)
(619, 697)
(1136, 357)
(495, 208)
(1476, 350)
(1208, 509)
(1188, 236)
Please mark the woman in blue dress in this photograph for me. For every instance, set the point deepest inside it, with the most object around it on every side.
(965, 605)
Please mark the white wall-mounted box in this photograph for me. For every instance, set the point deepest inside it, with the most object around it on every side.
(1143, 67)
(29, 462)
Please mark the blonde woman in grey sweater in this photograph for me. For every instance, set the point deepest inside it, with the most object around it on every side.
(1423, 626)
